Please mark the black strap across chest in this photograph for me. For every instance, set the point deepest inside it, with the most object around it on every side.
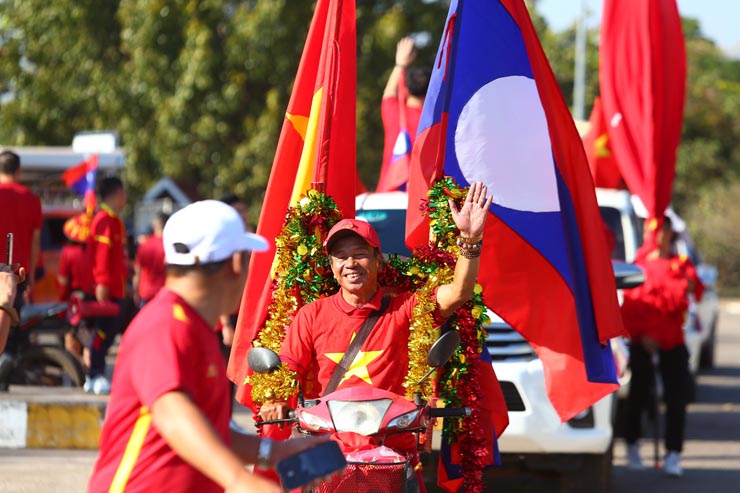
(354, 347)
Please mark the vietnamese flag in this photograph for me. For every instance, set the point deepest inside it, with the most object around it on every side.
(494, 113)
(642, 71)
(316, 149)
(81, 179)
(599, 153)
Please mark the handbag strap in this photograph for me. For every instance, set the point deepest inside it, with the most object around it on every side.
(354, 347)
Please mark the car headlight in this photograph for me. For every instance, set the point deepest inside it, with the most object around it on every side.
(404, 420)
(314, 423)
(363, 418)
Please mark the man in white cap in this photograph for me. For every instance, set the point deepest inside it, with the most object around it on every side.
(167, 422)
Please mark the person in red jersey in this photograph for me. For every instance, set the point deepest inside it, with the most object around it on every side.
(149, 264)
(400, 111)
(74, 274)
(654, 314)
(322, 331)
(24, 222)
(110, 273)
(167, 421)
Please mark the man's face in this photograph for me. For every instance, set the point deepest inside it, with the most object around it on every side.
(355, 264)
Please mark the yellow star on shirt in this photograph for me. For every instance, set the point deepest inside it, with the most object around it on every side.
(358, 368)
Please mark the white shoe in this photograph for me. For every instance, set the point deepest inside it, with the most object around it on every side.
(634, 461)
(100, 385)
(672, 465)
(88, 385)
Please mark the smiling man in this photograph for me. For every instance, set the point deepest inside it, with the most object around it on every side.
(322, 331)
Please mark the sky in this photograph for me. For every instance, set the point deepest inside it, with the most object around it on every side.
(719, 19)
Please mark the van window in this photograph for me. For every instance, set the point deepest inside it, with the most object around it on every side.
(613, 218)
(391, 227)
(52, 234)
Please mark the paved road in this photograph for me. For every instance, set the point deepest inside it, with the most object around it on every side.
(711, 456)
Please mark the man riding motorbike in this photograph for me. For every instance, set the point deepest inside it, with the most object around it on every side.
(322, 331)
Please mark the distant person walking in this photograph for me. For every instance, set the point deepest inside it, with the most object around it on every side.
(403, 100)
(107, 252)
(21, 215)
(149, 272)
(654, 314)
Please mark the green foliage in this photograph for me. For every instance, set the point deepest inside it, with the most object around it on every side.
(714, 219)
(197, 89)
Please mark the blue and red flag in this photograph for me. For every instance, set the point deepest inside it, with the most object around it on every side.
(494, 113)
(81, 179)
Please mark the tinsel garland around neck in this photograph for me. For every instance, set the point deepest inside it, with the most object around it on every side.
(304, 275)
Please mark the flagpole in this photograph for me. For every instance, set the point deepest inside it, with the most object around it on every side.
(579, 83)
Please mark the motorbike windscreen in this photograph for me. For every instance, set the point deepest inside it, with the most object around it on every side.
(363, 417)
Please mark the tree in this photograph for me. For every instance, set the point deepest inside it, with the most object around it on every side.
(196, 89)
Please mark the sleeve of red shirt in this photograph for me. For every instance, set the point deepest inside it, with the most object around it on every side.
(693, 277)
(102, 238)
(164, 363)
(297, 350)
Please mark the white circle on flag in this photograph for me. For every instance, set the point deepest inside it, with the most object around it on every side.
(502, 140)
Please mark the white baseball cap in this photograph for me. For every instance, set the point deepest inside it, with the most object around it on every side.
(206, 232)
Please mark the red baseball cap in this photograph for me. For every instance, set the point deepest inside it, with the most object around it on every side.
(363, 229)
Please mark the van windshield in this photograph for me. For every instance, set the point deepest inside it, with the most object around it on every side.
(391, 227)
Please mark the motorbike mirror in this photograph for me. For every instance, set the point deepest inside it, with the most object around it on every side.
(443, 349)
(262, 360)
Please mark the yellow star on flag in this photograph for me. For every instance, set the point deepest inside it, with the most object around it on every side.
(358, 368)
(601, 145)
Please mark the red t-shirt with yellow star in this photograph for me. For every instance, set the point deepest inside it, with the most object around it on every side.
(168, 347)
(322, 331)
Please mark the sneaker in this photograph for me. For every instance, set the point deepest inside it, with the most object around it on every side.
(672, 465)
(634, 461)
(100, 385)
(88, 385)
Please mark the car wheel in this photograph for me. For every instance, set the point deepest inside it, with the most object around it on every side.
(706, 357)
(48, 366)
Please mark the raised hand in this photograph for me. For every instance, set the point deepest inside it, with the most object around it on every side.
(405, 52)
(471, 217)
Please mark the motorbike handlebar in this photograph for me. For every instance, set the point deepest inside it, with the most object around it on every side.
(274, 421)
(290, 419)
(449, 412)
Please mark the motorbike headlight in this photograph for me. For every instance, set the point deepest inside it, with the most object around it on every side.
(314, 423)
(363, 418)
(404, 420)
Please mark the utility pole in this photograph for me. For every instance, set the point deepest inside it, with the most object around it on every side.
(579, 80)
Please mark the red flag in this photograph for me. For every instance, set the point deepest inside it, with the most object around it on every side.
(494, 113)
(317, 145)
(601, 160)
(643, 86)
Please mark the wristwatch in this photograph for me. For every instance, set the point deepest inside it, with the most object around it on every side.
(263, 453)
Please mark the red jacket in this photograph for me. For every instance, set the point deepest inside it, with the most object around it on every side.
(657, 309)
(107, 252)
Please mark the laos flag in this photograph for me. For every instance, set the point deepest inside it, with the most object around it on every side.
(494, 113)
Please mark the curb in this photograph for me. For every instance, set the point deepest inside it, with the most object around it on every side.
(45, 418)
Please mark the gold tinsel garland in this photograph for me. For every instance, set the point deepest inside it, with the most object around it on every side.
(303, 275)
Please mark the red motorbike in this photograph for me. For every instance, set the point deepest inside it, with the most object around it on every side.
(380, 433)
